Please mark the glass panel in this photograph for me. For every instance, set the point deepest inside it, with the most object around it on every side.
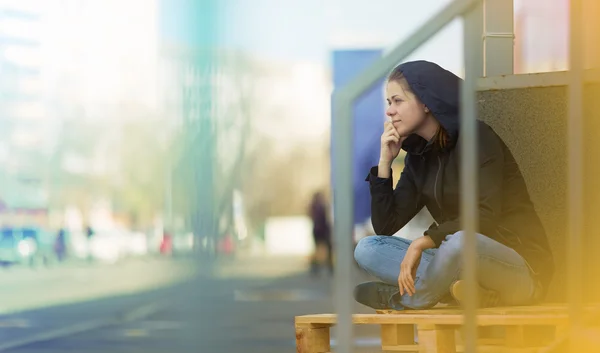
(541, 35)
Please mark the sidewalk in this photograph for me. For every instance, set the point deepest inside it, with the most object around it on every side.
(260, 266)
(281, 288)
(247, 304)
(27, 289)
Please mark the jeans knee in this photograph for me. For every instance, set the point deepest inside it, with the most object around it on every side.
(362, 251)
(366, 251)
(451, 247)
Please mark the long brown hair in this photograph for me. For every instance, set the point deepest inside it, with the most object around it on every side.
(441, 135)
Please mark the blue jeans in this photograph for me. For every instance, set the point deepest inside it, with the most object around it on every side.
(500, 268)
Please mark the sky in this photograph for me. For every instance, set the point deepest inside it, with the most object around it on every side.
(308, 30)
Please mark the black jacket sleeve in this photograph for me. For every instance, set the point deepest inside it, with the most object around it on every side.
(392, 209)
(491, 165)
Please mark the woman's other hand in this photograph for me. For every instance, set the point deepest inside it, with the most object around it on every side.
(408, 270)
(412, 259)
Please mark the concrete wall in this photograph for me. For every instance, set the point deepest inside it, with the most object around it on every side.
(533, 123)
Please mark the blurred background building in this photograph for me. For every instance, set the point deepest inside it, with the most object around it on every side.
(27, 134)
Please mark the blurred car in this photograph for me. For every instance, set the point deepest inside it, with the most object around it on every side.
(183, 243)
(25, 245)
(180, 243)
(106, 246)
(136, 243)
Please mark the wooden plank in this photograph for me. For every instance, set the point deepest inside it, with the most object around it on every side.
(445, 311)
(544, 308)
(436, 339)
(500, 349)
(450, 319)
(484, 338)
(313, 338)
(460, 349)
(401, 348)
(528, 336)
(394, 335)
(561, 330)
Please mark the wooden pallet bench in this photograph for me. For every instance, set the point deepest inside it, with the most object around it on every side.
(523, 329)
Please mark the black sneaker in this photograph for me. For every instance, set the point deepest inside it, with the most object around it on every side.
(449, 300)
(487, 298)
(377, 295)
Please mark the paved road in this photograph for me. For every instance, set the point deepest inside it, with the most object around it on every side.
(24, 289)
(248, 306)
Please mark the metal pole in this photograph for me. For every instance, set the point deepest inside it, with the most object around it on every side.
(498, 37)
(575, 172)
(343, 209)
(469, 175)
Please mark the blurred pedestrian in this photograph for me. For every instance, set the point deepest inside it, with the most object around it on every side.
(89, 232)
(318, 211)
(166, 244)
(60, 245)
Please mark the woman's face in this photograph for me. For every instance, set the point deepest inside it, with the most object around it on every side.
(404, 108)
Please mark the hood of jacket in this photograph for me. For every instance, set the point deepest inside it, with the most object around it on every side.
(439, 90)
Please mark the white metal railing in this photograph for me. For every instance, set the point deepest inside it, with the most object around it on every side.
(575, 182)
(469, 205)
(481, 59)
(498, 37)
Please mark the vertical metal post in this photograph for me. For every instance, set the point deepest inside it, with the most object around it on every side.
(498, 37)
(469, 176)
(477, 46)
(343, 206)
(575, 170)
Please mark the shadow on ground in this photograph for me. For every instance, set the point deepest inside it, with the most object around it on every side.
(205, 314)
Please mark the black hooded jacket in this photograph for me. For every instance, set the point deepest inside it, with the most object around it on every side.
(431, 179)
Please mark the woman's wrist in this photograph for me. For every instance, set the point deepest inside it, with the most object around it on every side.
(423, 243)
(383, 169)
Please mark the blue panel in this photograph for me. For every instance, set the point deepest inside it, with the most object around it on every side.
(368, 113)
